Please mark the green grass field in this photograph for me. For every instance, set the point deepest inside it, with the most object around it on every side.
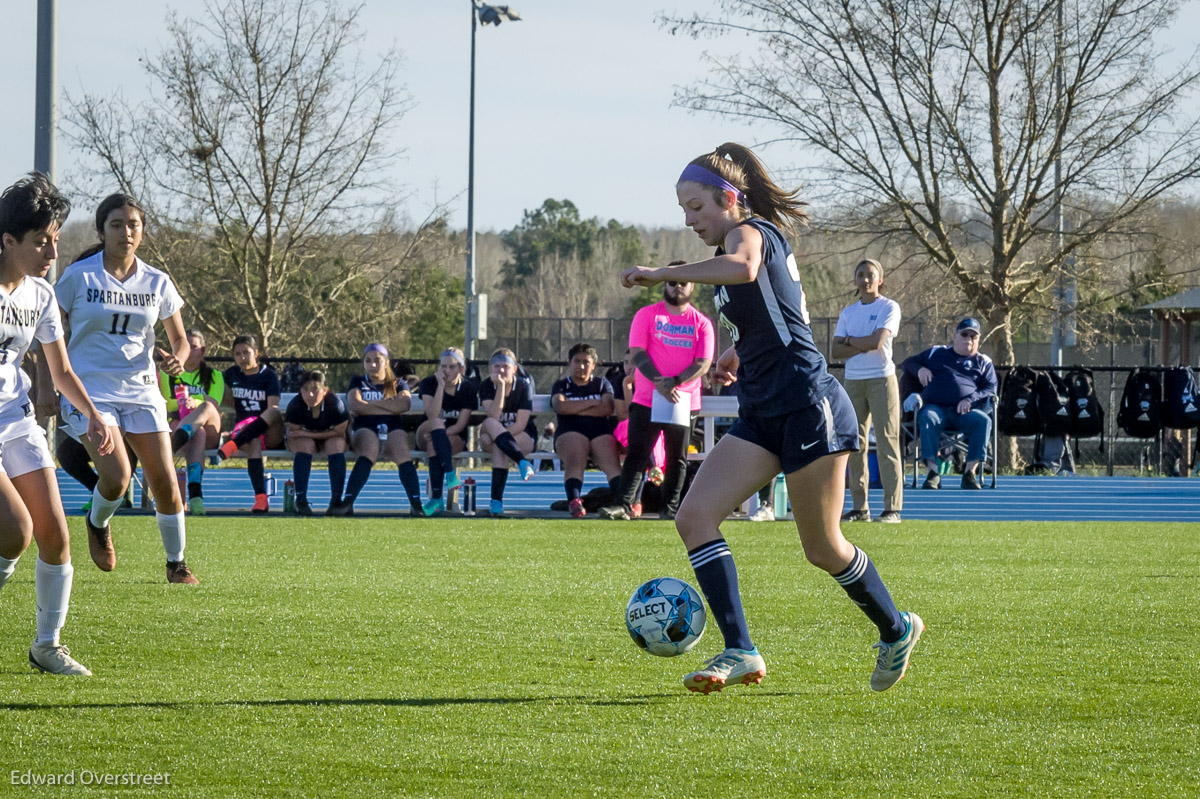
(476, 659)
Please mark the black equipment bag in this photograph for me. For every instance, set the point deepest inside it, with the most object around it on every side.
(1087, 417)
(1180, 408)
(1053, 404)
(1018, 412)
(1140, 413)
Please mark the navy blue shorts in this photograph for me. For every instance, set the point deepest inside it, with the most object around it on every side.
(590, 426)
(803, 436)
(373, 421)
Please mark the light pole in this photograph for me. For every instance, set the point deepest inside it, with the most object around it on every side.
(45, 112)
(487, 15)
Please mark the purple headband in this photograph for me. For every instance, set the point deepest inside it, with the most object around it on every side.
(503, 357)
(694, 173)
(382, 350)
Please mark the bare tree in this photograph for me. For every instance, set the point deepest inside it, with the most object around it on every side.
(940, 122)
(262, 148)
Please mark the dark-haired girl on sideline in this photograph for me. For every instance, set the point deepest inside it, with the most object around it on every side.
(448, 399)
(509, 430)
(197, 423)
(111, 303)
(583, 401)
(316, 421)
(793, 416)
(377, 401)
(253, 389)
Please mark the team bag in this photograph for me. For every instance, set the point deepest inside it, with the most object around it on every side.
(1087, 416)
(1180, 409)
(1141, 400)
(1018, 412)
(1053, 404)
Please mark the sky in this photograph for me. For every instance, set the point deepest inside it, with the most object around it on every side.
(573, 102)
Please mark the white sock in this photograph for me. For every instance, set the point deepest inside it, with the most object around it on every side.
(174, 537)
(52, 585)
(7, 567)
(103, 509)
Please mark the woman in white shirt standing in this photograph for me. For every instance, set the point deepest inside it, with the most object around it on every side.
(863, 338)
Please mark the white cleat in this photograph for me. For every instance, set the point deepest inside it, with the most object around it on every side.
(731, 667)
(893, 658)
(55, 659)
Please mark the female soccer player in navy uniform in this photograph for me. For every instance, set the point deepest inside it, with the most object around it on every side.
(448, 399)
(31, 212)
(793, 416)
(583, 401)
(377, 401)
(111, 303)
(253, 389)
(508, 430)
(316, 420)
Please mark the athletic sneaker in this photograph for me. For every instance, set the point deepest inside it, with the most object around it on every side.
(87, 507)
(666, 515)
(496, 509)
(635, 510)
(731, 667)
(617, 512)
(261, 504)
(453, 481)
(932, 480)
(857, 516)
(893, 657)
(765, 513)
(889, 517)
(434, 506)
(340, 508)
(178, 572)
(196, 506)
(55, 659)
(576, 508)
(526, 469)
(100, 546)
(227, 449)
(303, 508)
(971, 482)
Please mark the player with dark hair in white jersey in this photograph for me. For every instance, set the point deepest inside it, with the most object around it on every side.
(792, 417)
(111, 303)
(31, 213)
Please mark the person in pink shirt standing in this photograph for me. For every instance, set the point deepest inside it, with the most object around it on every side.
(672, 346)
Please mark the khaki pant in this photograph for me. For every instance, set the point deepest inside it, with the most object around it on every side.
(877, 398)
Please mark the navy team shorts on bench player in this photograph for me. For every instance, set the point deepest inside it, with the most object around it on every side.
(373, 422)
(803, 436)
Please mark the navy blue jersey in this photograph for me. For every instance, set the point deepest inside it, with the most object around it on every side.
(331, 413)
(373, 392)
(250, 392)
(955, 377)
(594, 389)
(781, 370)
(464, 398)
(519, 399)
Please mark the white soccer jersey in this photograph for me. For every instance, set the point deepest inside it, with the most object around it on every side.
(29, 312)
(112, 327)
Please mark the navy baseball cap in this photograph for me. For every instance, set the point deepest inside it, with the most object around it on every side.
(968, 324)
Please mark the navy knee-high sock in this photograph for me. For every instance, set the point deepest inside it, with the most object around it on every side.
(508, 445)
(442, 449)
(358, 477)
(866, 589)
(411, 483)
(574, 488)
(437, 478)
(337, 476)
(499, 480)
(258, 476)
(614, 483)
(76, 462)
(301, 468)
(717, 575)
(251, 431)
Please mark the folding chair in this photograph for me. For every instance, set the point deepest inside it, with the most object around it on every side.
(910, 435)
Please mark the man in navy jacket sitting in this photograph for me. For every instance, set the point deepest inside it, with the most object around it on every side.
(958, 384)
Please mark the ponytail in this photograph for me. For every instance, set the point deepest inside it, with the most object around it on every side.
(740, 167)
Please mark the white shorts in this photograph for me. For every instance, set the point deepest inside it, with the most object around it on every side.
(131, 417)
(23, 448)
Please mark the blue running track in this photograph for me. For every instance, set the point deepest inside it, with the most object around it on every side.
(1124, 499)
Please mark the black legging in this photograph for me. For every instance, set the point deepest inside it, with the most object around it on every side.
(642, 435)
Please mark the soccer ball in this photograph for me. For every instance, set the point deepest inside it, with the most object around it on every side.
(665, 616)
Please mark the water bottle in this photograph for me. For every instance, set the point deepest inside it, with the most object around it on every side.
(468, 496)
(781, 497)
(289, 497)
(269, 480)
(381, 430)
(181, 478)
(181, 395)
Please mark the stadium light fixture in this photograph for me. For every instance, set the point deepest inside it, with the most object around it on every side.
(486, 15)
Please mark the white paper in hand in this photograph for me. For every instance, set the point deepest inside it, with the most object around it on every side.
(663, 411)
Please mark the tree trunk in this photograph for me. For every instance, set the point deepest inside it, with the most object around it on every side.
(1000, 344)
